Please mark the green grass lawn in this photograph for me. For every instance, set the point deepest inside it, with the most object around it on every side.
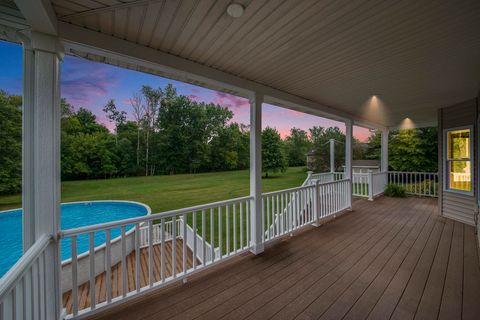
(163, 193)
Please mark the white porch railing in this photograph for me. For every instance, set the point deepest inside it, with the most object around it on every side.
(223, 229)
(288, 210)
(377, 183)
(328, 176)
(423, 184)
(23, 289)
(360, 184)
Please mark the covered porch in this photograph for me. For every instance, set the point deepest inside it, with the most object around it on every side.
(389, 258)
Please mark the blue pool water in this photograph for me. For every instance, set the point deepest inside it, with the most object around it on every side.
(73, 215)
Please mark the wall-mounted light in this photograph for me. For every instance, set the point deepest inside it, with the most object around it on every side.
(235, 10)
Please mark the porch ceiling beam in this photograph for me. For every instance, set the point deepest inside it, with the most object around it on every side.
(83, 40)
(109, 8)
(39, 15)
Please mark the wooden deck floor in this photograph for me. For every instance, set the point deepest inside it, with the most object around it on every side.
(388, 259)
(100, 280)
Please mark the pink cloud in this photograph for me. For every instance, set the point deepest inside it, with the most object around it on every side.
(195, 98)
(230, 101)
(83, 82)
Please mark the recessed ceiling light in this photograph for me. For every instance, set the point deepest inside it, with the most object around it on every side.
(235, 10)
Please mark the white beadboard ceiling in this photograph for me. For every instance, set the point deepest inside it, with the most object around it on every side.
(415, 55)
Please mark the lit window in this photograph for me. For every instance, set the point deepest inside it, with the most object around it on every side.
(459, 161)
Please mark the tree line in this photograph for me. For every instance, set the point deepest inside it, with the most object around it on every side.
(170, 133)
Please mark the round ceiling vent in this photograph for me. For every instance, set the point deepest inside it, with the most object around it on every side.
(235, 10)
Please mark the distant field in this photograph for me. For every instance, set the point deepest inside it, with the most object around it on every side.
(170, 192)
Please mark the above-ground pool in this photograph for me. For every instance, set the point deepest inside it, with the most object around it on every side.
(74, 215)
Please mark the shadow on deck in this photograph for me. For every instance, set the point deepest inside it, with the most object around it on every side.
(388, 259)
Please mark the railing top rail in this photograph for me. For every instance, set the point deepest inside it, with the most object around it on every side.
(287, 190)
(411, 172)
(327, 173)
(166, 214)
(333, 182)
(8, 281)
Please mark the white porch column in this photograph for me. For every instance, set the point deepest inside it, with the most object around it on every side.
(348, 156)
(384, 157)
(41, 154)
(332, 155)
(256, 230)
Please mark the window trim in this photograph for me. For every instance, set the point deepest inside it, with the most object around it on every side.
(446, 187)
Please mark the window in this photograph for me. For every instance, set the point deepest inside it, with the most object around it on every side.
(459, 160)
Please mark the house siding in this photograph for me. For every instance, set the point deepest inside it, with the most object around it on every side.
(454, 205)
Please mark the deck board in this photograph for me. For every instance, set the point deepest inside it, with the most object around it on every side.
(471, 274)
(391, 258)
(451, 305)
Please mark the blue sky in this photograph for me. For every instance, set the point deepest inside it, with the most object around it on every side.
(90, 85)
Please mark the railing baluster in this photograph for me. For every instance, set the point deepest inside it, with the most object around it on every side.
(235, 227)
(150, 255)
(242, 245)
(162, 249)
(247, 214)
(14, 303)
(268, 218)
(137, 253)
(424, 185)
(227, 229)
(282, 214)
(204, 254)
(74, 275)
(91, 240)
(264, 228)
(194, 225)
(108, 265)
(220, 233)
(174, 246)
(298, 222)
(184, 245)
(212, 238)
(124, 263)
(272, 198)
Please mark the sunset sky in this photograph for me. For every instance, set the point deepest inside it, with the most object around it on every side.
(90, 85)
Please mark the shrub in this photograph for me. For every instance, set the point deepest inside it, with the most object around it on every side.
(394, 190)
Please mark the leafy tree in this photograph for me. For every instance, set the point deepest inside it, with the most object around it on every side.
(153, 99)
(229, 150)
(88, 122)
(297, 146)
(138, 113)
(273, 159)
(413, 150)
(322, 148)
(10, 143)
(115, 116)
(374, 146)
